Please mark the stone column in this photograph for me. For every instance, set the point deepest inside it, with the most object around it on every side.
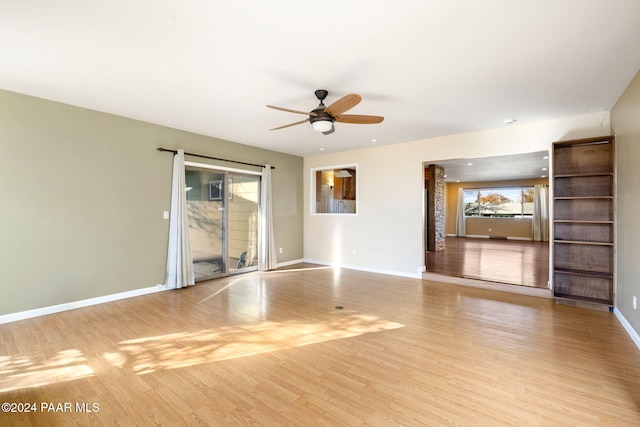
(434, 183)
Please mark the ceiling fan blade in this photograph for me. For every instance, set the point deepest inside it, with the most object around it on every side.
(343, 104)
(359, 119)
(330, 131)
(292, 111)
(291, 124)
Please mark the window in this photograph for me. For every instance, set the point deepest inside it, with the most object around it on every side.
(334, 190)
(511, 202)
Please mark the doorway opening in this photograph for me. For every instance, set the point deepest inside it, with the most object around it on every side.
(493, 242)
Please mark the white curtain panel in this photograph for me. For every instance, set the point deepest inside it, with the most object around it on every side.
(540, 221)
(266, 241)
(179, 259)
(461, 226)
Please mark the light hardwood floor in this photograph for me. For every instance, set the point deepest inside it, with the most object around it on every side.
(273, 349)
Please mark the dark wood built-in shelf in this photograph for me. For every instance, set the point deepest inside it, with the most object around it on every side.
(583, 206)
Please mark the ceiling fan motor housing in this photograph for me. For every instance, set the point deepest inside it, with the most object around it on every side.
(320, 115)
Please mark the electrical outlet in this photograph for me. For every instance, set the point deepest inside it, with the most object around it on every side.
(353, 251)
(165, 215)
(635, 303)
(280, 250)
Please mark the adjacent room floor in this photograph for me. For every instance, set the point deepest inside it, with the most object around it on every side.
(310, 346)
(517, 262)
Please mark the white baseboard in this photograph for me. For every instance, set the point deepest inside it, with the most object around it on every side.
(28, 314)
(288, 263)
(627, 326)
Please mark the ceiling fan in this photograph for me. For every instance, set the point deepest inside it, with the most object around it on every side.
(322, 118)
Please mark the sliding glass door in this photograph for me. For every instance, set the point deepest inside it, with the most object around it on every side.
(222, 206)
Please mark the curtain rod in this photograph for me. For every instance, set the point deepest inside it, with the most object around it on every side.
(212, 158)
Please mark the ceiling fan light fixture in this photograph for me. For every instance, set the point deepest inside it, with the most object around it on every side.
(322, 125)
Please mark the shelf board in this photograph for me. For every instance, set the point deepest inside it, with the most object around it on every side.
(583, 198)
(604, 139)
(584, 273)
(582, 221)
(583, 299)
(583, 242)
(582, 175)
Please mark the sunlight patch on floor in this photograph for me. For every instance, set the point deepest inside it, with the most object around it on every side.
(179, 350)
(17, 372)
(224, 288)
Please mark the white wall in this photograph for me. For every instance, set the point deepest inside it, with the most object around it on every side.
(386, 235)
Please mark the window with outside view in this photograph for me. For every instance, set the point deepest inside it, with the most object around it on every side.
(511, 202)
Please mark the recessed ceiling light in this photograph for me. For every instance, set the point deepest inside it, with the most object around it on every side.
(374, 140)
(457, 180)
(543, 176)
(469, 164)
(509, 121)
(544, 169)
(322, 149)
(545, 157)
(445, 176)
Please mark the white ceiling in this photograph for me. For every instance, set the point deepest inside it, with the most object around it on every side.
(432, 68)
(496, 168)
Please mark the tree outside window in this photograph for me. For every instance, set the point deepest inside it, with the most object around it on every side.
(512, 202)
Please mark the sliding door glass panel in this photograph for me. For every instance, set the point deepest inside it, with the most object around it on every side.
(242, 198)
(206, 210)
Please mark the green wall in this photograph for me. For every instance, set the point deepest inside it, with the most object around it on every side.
(625, 122)
(82, 195)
